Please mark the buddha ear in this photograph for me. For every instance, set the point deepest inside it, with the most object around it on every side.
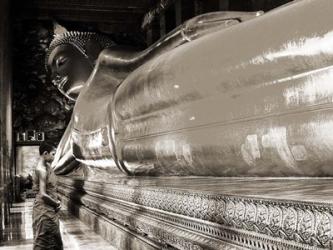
(93, 48)
(58, 29)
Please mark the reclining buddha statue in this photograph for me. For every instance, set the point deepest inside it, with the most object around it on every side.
(225, 94)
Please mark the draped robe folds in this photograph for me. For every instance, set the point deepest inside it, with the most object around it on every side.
(45, 218)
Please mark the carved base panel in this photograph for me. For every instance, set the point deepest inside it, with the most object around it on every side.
(118, 235)
(195, 213)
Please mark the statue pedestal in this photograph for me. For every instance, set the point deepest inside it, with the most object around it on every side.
(205, 212)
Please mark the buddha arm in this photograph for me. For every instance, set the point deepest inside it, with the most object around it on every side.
(64, 161)
(122, 61)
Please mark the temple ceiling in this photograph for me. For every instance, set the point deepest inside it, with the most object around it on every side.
(119, 16)
(128, 16)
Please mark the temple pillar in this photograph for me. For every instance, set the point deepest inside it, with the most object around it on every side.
(198, 7)
(178, 12)
(223, 5)
(162, 24)
(6, 143)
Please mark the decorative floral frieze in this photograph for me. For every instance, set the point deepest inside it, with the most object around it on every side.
(298, 222)
(158, 230)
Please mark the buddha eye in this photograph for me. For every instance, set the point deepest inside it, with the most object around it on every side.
(61, 61)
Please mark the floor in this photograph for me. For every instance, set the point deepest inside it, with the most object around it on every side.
(75, 235)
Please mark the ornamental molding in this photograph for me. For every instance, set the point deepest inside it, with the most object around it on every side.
(300, 225)
(164, 233)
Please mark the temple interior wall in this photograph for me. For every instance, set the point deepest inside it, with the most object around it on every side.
(37, 104)
(6, 143)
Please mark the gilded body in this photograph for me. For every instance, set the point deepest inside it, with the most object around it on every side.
(254, 99)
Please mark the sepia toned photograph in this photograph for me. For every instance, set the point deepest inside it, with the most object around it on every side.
(166, 125)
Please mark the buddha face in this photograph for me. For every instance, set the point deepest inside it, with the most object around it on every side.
(70, 70)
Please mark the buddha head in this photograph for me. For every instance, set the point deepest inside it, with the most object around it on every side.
(71, 58)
